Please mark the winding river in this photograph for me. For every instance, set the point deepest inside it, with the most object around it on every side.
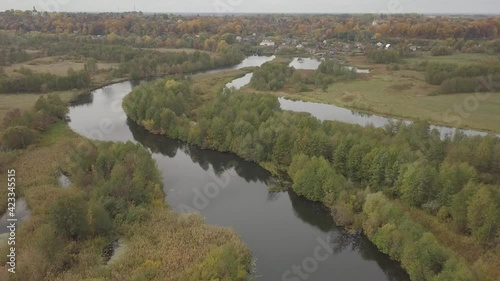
(289, 236)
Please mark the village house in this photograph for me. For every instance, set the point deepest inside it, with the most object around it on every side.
(267, 43)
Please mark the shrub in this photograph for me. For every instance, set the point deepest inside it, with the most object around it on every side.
(384, 56)
(441, 51)
(19, 137)
(68, 215)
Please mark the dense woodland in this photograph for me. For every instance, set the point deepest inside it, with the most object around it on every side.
(178, 31)
(373, 179)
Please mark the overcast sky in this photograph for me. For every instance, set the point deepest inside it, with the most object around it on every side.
(260, 6)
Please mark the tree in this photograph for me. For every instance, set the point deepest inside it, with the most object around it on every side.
(419, 184)
(14, 117)
(453, 178)
(99, 221)
(90, 65)
(459, 207)
(483, 215)
(424, 259)
(69, 216)
(19, 137)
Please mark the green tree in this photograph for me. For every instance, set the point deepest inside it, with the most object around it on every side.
(424, 259)
(18, 137)
(99, 220)
(419, 184)
(91, 65)
(68, 215)
(483, 215)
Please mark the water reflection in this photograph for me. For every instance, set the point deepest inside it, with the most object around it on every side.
(83, 99)
(314, 214)
(206, 159)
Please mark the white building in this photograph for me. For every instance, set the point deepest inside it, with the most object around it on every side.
(267, 43)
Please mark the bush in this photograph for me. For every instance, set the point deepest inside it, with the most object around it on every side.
(68, 215)
(465, 85)
(223, 263)
(19, 137)
(441, 51)
(384, 56)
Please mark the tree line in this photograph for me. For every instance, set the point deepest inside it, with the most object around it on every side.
(134, 63)
(345, 166)
(455, 78)
(273, 76)
(31, 82)
(170, 28)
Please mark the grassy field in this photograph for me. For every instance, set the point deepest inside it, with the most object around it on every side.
(53, 65)
(25, 101)
(404, 94)
(459, 58)
(207, 85)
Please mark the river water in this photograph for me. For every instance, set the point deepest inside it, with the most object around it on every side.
(289, 236)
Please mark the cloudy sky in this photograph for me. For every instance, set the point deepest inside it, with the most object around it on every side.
(260, 6)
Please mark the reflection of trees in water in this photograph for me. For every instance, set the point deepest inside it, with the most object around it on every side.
(341, 241)
(83, 99)
(220, 162)
(273, 196)
(361, 114)
(315, 214)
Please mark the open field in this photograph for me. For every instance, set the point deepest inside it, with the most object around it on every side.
(376, 97)
(25, 101)
(207, 85)
(53, 65)
(459, 58)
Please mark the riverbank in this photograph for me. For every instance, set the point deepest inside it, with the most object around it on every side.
(436, 110)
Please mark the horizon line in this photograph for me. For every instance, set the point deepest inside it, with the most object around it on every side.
(270, 13)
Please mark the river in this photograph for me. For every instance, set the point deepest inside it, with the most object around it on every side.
(282, 229)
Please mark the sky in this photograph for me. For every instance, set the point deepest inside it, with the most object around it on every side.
(259, 6)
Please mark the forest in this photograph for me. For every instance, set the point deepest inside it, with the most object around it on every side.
(374, 180)
(177, 31)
